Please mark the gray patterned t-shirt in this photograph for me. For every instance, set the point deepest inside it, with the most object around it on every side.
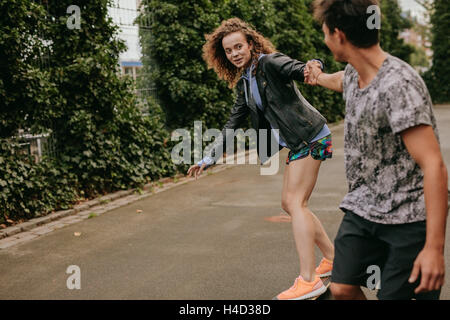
(385, 184)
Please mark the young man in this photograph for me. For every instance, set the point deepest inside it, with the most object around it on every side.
(396, 205)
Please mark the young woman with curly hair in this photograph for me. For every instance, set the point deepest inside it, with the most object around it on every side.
(266, 91)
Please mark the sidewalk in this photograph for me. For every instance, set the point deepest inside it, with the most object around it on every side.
(207, 239)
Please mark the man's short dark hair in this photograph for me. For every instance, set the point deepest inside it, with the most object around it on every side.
(349, 16)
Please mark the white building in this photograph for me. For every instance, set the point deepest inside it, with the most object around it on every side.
(124, 13)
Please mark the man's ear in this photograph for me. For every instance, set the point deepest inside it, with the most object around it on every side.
(340, 36)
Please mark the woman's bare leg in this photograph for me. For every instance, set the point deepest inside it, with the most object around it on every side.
(300, 177)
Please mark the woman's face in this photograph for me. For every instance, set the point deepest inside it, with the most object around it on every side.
(237, 49)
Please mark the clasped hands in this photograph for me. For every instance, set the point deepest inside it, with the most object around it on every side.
(312, 72)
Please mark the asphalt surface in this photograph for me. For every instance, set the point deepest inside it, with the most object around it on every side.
(206, 239)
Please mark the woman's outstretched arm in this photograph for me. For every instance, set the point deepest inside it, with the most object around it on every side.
(239, 113)
(289, 69)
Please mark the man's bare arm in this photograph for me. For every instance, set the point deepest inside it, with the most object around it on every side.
(315, 76)
(424, 148)
(331, 81)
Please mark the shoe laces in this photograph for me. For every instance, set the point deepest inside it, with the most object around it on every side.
(294, 286)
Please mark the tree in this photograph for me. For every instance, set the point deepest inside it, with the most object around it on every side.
(300, 37)
(66, 80)
(172, 59)
(419, 58)
(440, 71)
(107, 140)
(392, 24)
(26, 91)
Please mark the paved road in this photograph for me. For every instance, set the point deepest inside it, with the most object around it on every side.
(207, 239)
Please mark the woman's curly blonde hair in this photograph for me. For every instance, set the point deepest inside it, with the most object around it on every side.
(214, 54)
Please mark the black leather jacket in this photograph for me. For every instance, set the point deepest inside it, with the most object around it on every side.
(284, 107)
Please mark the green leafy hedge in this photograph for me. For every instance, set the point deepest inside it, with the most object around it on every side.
(69, 84)
(29, 190)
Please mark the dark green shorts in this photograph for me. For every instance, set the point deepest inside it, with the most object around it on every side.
(362, 245)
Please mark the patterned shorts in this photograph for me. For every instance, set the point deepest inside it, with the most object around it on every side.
(321, 149)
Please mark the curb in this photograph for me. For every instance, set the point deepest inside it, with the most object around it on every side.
(35, 222)
(38, 226)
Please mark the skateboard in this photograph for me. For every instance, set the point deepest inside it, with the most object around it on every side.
(326, 282)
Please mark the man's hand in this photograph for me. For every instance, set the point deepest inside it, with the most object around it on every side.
(423, 146)
(430, 265)
(196, 170)
(312, 72)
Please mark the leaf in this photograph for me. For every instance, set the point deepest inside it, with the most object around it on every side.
(87, 153)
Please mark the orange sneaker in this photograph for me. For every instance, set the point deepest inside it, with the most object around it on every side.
(325, 267)
(303, 290)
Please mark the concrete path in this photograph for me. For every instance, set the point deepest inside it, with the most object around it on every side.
(206, 239)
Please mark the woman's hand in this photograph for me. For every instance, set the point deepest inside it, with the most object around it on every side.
(196, 170)
(312, 72)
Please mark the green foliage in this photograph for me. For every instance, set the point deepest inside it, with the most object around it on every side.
(260, 14)
(300, 37)
(419, 58)
(392, 23)
(26, 91)
(28, 189)
(438, 77)
(172, 59)
(67, 81)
